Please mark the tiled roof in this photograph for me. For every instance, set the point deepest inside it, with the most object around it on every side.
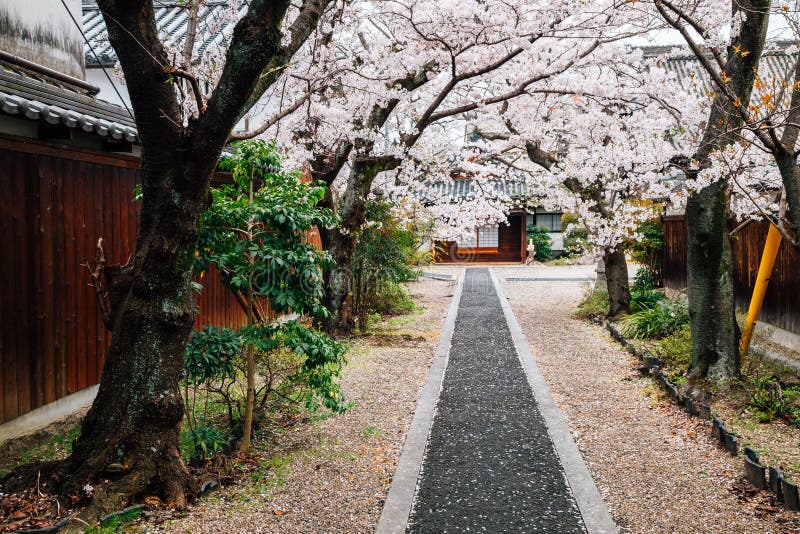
(41, 98)
(468, 188)
(172, 19)
(774, 63)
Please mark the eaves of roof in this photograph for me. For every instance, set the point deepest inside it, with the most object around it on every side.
(41, 99)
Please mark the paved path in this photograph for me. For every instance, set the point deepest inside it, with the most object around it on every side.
(490, 464)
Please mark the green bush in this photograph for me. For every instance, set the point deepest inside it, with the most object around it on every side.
(386, 252)
(647, 250)
(575, 235)
(655, 322)
(643, 280)
(643, 300)
(594, 303)
(771, 401)
(676, 349)
(541, 241)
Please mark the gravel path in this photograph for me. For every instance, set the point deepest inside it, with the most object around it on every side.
(332, 475)
(657, 468)
(490, 465)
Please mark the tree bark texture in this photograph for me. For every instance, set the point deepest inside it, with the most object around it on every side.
(619, 294)
(715, 332)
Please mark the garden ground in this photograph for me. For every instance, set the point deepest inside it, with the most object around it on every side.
(657, 469)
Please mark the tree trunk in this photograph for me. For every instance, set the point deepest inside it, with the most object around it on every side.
(341, 244)
(129, 442)
(619, 294)
(715, 332)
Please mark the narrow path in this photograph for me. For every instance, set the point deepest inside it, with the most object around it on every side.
(490, 464)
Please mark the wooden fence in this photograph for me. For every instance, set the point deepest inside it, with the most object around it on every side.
(54, 204)
(782, 302)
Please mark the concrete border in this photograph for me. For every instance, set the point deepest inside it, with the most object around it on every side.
(397, 507)
(593, 508)
(49, 413)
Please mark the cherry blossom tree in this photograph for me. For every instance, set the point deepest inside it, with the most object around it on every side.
(129, 439)
(416, 65)
(740, 29)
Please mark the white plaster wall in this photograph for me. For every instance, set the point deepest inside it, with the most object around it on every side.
(43, 32)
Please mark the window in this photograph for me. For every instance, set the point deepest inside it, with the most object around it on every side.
(482, 237)
(551, 221)
(467, 240)
(487, 236)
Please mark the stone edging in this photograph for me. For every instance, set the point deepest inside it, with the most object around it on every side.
(760, 476)
(397, 507)
(594, 512)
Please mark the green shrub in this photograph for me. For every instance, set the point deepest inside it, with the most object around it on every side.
(643, 300)
(647, 250)
(655, 322)
(575, 235)
(594, 303)
(541, 241)
(386, 251)
(676, 349)
(771, 401)
(643, 280)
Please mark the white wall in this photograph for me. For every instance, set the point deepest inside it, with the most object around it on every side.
(96, 77)
(54, 41)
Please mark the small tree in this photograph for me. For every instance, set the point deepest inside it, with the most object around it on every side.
(647, 250)
(383, 256)
(254, 232)
(575, 234)
(542, 241)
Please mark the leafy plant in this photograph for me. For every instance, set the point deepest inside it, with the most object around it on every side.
(643, 280)
(594, 302)
(542, 241)
(661, 319)
(643, 300)
(386, 251)
(575, 235)
(771, 401)
(255, 233)
(647, 249)
(676, 349)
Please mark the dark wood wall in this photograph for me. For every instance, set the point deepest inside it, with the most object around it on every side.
(781, 306)
(510, 246)
(54, 204)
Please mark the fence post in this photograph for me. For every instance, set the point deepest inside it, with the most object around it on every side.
(771, 248)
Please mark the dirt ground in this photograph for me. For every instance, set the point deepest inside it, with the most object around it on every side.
(333, 475)
(657, 468)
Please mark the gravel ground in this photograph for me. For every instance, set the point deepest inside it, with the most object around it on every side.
(490, 464)
(657, 468)
(333, 475)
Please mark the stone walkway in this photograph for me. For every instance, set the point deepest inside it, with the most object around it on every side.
(490, 464)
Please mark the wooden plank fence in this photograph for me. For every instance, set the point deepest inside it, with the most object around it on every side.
(54, 204)
(782, 302)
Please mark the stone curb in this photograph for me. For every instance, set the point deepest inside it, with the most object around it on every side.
(754, 472)
(596, 517)
(397, 507)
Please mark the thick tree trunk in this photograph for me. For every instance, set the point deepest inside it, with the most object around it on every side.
(619, 294)
(341, 244)
(715, 332)
(129, 442)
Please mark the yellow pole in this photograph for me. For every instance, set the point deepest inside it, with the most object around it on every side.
(762, 281)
